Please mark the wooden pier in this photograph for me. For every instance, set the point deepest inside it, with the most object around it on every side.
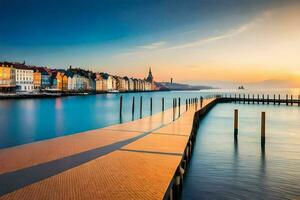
(261, 99)
(142, 159)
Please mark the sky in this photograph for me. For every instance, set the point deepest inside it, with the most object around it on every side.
(201, 41)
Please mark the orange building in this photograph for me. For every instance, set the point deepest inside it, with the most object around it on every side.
(62, 81)
(7, 77)
(37, 79)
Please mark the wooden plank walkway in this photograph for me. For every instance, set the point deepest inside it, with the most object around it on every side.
(264, 99)
(134, 160)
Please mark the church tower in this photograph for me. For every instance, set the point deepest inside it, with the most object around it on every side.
(150, 77)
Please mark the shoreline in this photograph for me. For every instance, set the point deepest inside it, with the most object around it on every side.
(63, 94)
(6, 96)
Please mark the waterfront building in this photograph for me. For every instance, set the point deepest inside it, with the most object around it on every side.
(45, 78)
(114, 82)
(92, 82)
(24, 78)
(80, 80)
(59, 80)
(7, 77)
(107, 82)
(99, 83)
(135, 84)
(131, 84)
(121, 83)
(148, 86)
(37, 79)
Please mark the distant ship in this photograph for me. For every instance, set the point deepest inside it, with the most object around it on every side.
(241, 87)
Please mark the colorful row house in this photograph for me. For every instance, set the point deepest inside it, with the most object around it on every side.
(20, 77)
(7, 77)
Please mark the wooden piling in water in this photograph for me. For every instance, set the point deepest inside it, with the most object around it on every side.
(173, 109)
(287, 100)
(292, 100)
(263, 128)
(279, 99)
(186, 105)
(201, 101)
(179, 102)
(274, 99)
(141, 106)
(298, 100)
(163, 104)
(258, 99)
(253, 98)
(151, 106)
(121, 105)
(236, 116)
(248, 98)
(263, 99)
(132, 110)
(268, 99)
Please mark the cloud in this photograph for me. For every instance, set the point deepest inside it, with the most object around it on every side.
(162, 45)
(234, 32)
(154, 45)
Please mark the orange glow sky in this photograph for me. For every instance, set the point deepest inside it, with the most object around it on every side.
(196, 42)
(266, 47)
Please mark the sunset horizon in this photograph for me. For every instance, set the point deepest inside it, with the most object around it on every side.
(191, 38)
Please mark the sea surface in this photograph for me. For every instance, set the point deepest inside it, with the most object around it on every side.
(28, 120)
(222, 168)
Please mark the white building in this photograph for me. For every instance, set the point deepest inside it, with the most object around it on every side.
(24, 78)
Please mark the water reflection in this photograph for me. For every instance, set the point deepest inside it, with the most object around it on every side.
(224, 167)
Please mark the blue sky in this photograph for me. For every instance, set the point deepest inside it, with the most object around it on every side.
(98, 34)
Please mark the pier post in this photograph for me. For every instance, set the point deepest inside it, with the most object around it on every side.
(121, 105)
(186, 105)
(292, 100)
(263, 99)
(163, 104)
(263, 128)
(179, 102)
(253, 98)
(258, 99)
(268, 99)
(151, 106)
(248, 98)
(298, 100)
(201, 101)
(173, 109)
(141, 106)
(236, 116)
(287, 100)
(279, 99)
(244, 98)
(274, 99)
(132, 111)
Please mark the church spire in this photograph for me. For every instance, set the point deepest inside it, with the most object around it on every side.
(150, 77)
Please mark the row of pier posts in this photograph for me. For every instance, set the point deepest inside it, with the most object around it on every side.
(263, 126)
(175, 190)
(289, 99)
(176, 105)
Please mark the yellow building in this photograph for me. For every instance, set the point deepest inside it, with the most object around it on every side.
(7, 77)
(62, 81)
(37, 79)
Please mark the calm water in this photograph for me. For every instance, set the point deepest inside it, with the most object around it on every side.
(222, 169)
(28, 120)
